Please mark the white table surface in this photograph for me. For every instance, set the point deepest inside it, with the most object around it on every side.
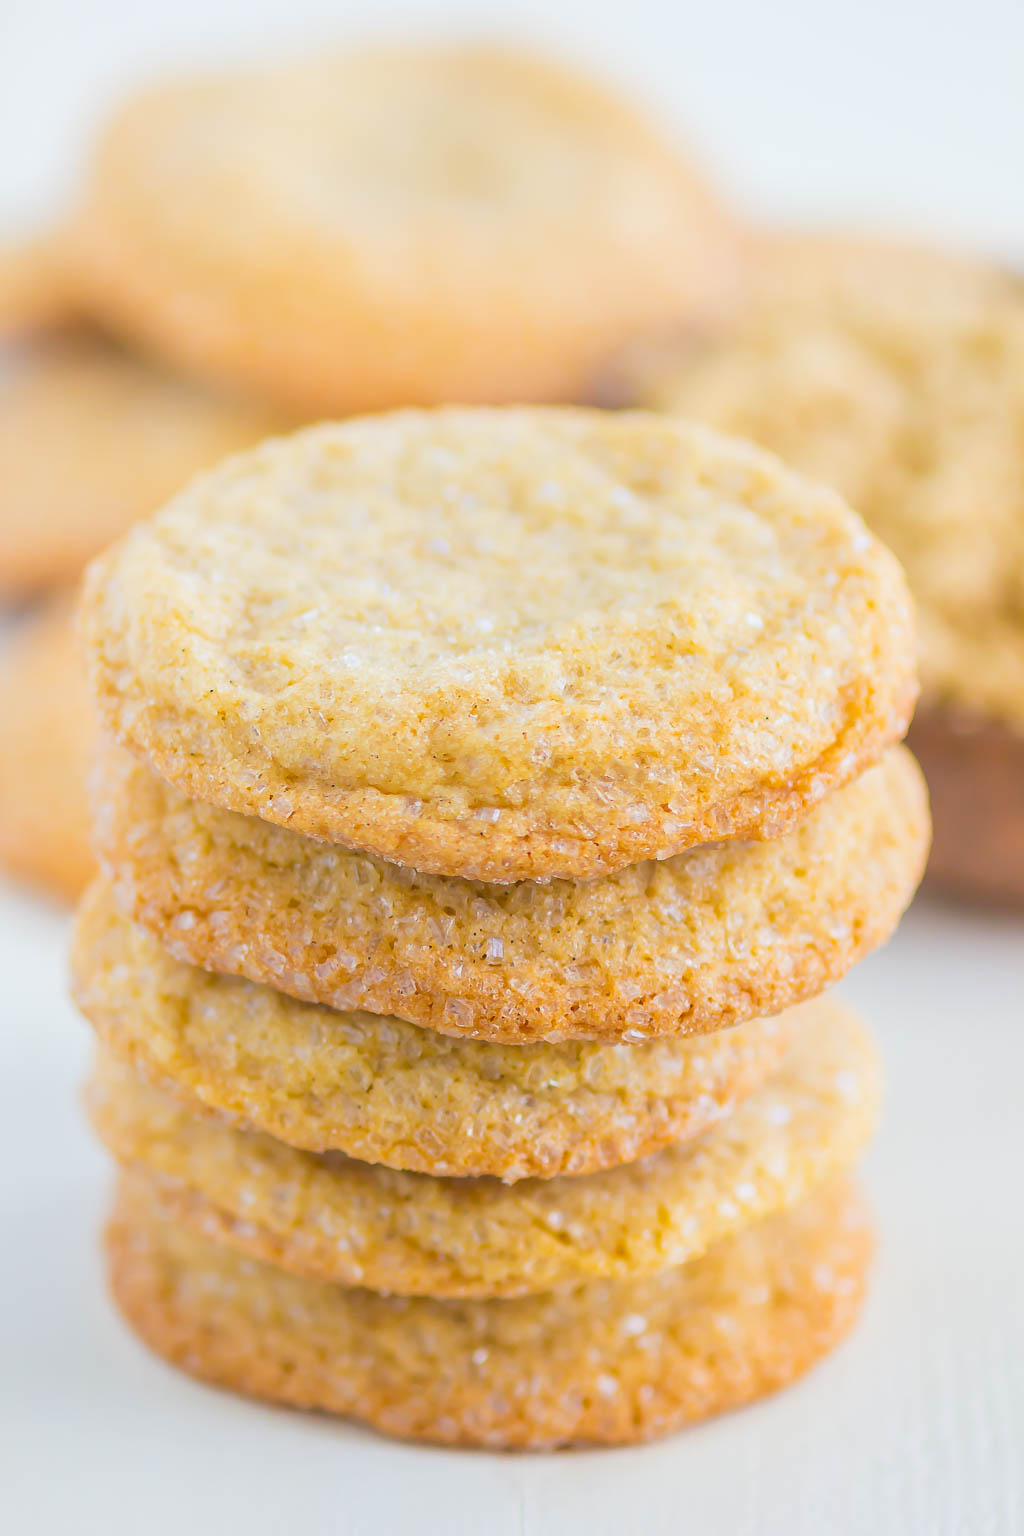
(907, 111)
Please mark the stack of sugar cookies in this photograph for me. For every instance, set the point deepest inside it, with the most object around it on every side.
(487, 797)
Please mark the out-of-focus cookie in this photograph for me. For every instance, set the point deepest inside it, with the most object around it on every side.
(91, 440)
(975, 771)
(390, 1092)
(34, 287)
(359, 1224)
(609, 1362)
(47, 735)
(394, 227)
(896, 374)
(505, 645)
(708, 938)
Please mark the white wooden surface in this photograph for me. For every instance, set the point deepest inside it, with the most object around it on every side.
(906, 109)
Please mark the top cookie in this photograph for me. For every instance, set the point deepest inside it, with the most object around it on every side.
(393, 227)
(504, 644)
(896, 374)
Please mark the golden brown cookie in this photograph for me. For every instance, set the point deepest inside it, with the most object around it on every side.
(34, 287)
(91, 440)
(359, 1224)
(46, 741)
(609, 1362)
(975, 771)
(896, 374)
(708, 938)
(505, 644)
(394, 226)
(390, 1092)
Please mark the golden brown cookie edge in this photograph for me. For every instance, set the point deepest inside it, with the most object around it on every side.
(457, 1404)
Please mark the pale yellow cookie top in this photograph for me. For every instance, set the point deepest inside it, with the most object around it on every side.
(708, 938)
(386, 1091)
(91, 439)
(505, 644)
(612, 1361)
(395, 226)
(361, 1224)
(895, 373)
(47, 734)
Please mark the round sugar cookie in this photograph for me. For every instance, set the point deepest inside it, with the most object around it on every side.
(705, 939)
(46, 744)
(394, 226)
(505, 645)
(612, 1362)
(332, 1218)
(385, 1091)
(90, 441)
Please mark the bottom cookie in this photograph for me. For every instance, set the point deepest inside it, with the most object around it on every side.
(975, 773)
(605, 1363)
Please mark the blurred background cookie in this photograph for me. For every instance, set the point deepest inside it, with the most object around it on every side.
(46, 736)
(34, 292)
(896, 373)
(394, 226)
(90, 440)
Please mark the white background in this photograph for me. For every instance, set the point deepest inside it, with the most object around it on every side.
(908, 110)
(904, 112)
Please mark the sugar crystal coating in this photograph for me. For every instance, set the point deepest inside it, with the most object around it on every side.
(745, 1319)
(708, 938)
(285, 640)
(359, 1224)
(391, 1092)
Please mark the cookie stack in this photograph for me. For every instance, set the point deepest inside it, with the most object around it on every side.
(488, 796)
